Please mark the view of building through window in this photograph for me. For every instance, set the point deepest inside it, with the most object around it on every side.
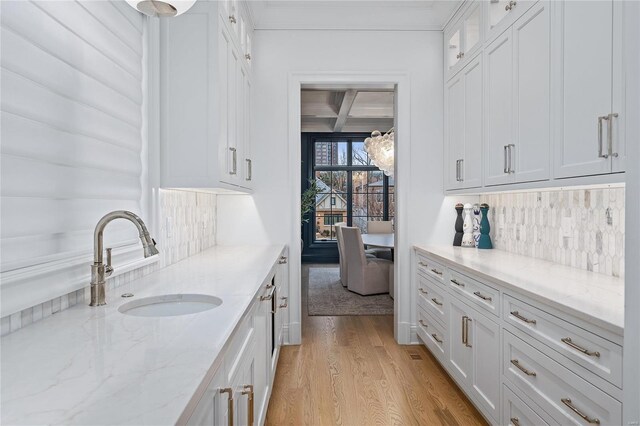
(352, 190)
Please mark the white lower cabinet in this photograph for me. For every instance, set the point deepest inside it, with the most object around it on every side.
(239, 388)
(474, 355)
(519, 361)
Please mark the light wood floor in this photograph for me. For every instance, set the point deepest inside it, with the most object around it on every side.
(350, 371)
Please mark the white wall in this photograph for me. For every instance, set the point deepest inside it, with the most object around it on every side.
(265, 217)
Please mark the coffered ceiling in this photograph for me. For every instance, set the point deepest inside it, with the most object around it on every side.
(347, 110)
(352, 14)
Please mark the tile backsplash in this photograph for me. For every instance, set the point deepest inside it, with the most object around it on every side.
(582, 228)
(191, 217)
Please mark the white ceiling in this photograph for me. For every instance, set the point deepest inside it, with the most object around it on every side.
(346, 110)
(352, 14)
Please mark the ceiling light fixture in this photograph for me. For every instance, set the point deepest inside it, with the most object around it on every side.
(380, 149)
(161, 9)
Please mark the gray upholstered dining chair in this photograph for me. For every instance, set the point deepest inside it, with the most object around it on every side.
(380, 227)
(341, 255)
(364, 275)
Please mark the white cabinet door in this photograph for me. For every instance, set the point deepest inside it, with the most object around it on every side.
(585, 80)
(453, 50)
(246, 129)
(213, 408)
(471, 30)
(498, 60)
(531, 99)
(454, 131)
(460, 355)
(471, 166)
(619, 96)
(484, 338)
(261, 356)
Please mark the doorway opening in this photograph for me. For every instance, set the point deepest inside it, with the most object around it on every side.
(349, 200)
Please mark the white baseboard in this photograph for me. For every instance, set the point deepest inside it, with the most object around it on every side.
(405, 333)
(293, 334)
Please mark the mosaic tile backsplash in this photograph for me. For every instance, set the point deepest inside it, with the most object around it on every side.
(582, 228)
(193, 221)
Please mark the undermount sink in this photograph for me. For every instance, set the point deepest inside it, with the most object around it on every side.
(170, 305)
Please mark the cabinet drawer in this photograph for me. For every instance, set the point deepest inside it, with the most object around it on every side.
(430, 268)
(587, 349)
(432, 334)
(516, 412)
(567, 398)
(433, 299)
(479, 294)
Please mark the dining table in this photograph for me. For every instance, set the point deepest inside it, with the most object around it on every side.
(380, 241)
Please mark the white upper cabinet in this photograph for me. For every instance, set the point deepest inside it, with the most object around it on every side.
(205, 101)
(464, 39)
(589, 134)
(518, 107)
(501, 14)
(463, 127)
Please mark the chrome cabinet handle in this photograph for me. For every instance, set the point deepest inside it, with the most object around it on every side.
(436, 338)
(248, 390)
(435, 271)
(460, 55)
(457, 170)
(285, 304)
(521, 318)
(600, 147)
(423, 324)
(282, 260)
(458, 283)
(567, 341)
(510, 6)
(422, 264)
(521, 368)
(423, 291)
(515, 421)
(229, 392)
(481, 296)
(249, 168)
(510, 148)
(461, 170)
(234, 161)
(232, 19)
(506, 154)
(465, 330)
(610, 134)
(434, 300)
(567, 402)
(247, 56)
(269, 296)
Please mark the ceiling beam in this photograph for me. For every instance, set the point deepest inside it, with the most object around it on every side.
(345, 107)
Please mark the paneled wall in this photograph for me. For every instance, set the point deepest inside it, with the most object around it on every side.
(582, 228)
(193, 229)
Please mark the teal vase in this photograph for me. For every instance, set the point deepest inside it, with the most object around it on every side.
(485, 239)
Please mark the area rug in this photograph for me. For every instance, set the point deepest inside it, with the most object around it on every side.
(327, 297)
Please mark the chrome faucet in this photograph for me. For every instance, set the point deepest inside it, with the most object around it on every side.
(100, 271)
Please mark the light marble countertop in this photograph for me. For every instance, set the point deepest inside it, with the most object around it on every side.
(593, 297)
(89, 365)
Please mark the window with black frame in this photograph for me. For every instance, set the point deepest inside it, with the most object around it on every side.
(352, 190)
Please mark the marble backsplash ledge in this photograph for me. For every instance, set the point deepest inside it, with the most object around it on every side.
(582, 228)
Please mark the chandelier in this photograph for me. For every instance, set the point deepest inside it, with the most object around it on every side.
(379, 147)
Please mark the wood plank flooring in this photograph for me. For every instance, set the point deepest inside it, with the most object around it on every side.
(350, 371)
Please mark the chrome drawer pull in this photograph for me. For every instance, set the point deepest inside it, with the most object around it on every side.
(435, 271)
(423, 324)
(459, 284)
(481, 296)
(436, 338)
(521, 318)
(285, 304)
(270, 296)
(434, 300)
(521, 368)
(567, 402)
(423, 291)
(422, 264)
(567, 341)
(515, 421)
